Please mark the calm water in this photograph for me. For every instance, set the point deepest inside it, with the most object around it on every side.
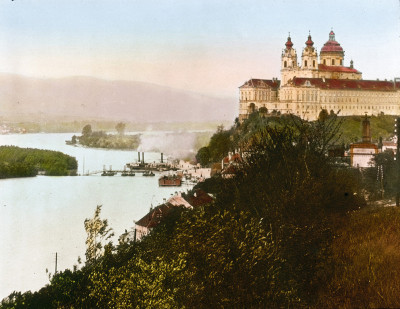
(43, 215)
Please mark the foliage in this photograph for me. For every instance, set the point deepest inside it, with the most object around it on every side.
(220, 144)
(380, 181)
(100, 139)
(23, 162)
(381, 126)
(203, 156)
(287, 180)
(276, 236)
(232, 261)
(366, 259)
(87, 130)
(98, 232)
(17, 169)
(120, 127)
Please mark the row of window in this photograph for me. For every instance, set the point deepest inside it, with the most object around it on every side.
(257, 95)
(333, 62)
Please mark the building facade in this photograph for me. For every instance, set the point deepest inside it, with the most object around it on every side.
(318, 83)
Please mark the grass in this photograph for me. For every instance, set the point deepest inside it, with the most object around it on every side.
(381, 126)
(366, 259)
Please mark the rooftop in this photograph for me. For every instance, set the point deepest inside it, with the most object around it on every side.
(349, 84)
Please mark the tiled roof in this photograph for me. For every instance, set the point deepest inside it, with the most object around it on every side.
(261, 83)
(332, 46)
(349, 84)
(179, 201)
(200, 198)
(154, 216)
(234, 158)
(336, 68)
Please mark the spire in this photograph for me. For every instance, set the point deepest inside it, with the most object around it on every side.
(289, 43)
(332, 35)
(309, 41)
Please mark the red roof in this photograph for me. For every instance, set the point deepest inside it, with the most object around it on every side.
(289, 43)
(200, 198)
(309, 42)
(336, 68)
(261, 83)
(332, 46)
(350, 84)
(154, 217)
(234, 158)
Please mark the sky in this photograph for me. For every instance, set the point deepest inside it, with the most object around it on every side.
(206, 46)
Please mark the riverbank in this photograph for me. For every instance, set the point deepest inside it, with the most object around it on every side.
(28, 162)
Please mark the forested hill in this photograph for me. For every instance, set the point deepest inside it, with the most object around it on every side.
(27, 162)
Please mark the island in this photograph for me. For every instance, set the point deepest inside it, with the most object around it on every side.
(29, 162)
(100, 139)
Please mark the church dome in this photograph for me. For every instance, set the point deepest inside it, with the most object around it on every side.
(331, 45)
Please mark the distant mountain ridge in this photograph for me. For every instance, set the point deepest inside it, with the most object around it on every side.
(88, 97)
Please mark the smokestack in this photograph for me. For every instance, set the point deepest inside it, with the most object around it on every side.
(138, 156)
(143, 157)
(162, 158)
(366, 130)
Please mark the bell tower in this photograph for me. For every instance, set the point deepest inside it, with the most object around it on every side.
(309, 57)
(288, 61)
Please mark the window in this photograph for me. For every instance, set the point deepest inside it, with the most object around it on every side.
(313, 63)
(285, 64)
(305, 63)
(324, 61)
(341, 61)
(333, 61)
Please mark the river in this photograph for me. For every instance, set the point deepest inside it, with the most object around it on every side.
(42, 215)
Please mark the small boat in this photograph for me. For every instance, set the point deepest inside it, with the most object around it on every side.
(148, 173)
(170, 181)
(107, 173)
(130, 173)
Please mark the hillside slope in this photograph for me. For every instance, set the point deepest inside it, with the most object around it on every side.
(86, 97)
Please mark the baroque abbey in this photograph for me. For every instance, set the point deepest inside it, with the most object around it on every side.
(324, 83)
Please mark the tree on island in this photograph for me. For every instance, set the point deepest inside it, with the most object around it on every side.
(87, 130)
(120, 127)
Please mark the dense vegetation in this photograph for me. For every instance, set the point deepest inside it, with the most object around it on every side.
(286, 231)
(26, 162)
(100, 139)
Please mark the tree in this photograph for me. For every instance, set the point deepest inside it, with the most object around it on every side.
(120, 127)
(203, 156)
(87, 130)
(323, 115)
(287, 180)
(220, 144)
(97, 233)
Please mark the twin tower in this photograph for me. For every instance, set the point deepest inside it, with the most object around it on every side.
(331, 58)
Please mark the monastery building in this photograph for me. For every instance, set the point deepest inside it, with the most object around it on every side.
(320, 83)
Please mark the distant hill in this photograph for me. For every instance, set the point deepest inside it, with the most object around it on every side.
(87, 97)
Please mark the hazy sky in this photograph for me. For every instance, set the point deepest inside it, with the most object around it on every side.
(208, 46)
